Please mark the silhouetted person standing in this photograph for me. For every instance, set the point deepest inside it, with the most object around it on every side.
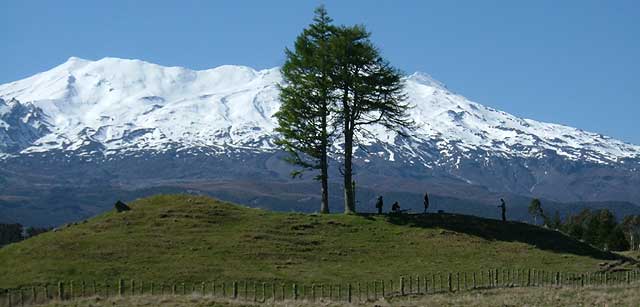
(379, 204)
(503, 206)
(426, 202)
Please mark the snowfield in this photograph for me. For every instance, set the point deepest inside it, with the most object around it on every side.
(116, 105)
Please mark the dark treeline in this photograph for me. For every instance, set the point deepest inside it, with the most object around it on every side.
(11, 233)
(596, 227)
(600, 228)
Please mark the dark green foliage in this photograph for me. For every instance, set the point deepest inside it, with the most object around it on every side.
(336, 80)
(307, 96)
(371, 92)
(10, 233)
(631, 228)
(616, 240)
(599, 228)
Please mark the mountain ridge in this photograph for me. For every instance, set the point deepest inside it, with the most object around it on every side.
(86, 131)
(233, 105)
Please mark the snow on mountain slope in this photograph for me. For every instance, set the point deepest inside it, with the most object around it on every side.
(118, 105)
(20, 125)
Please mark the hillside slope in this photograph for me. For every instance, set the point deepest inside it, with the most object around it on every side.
(186, 238)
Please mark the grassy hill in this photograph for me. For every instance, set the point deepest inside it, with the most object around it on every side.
(174, 238)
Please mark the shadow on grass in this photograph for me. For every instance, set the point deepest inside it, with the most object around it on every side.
(496, 230)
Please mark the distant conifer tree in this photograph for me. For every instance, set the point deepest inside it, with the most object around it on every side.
(535, 210)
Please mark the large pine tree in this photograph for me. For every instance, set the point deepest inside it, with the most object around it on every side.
(307, 97)
(371, 92)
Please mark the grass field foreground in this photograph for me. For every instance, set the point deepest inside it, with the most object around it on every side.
(624, 296)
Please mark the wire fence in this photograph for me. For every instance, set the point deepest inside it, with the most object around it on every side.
(267, 291)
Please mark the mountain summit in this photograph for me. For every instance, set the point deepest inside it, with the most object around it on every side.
(85, 131)
(116, 105)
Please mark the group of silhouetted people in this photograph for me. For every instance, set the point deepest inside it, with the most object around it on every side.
(395, 208)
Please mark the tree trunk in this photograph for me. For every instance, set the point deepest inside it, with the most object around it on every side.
(349, 202)
(324, 165)
(324, 206)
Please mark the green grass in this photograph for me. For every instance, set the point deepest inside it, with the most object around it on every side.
(174, 238)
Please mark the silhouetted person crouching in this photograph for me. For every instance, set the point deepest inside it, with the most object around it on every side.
(395, 208)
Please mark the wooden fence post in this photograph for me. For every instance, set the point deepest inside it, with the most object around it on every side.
(359, 292)
(295, 292)
(426, 284)
(433, 282)
(273, 291)
(465, 281)
(375, 289)
(121, 287)
(449, 282)
(457, 281)
(255, 292)
(71, 293)
(474, 280)
(384, 293)
(94, 286)
(401, 287)
(234, 292)
(133, 287)
(60, 291)
(349, 292)
(46, 291)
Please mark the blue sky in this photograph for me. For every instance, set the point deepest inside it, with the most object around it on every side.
(570, 62)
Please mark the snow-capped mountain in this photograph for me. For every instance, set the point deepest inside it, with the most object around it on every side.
(117, 105)
(130, 125)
